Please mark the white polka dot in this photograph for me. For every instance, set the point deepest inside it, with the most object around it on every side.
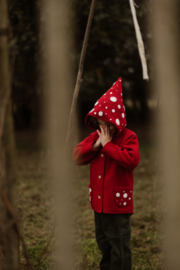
(114, 83)
(124, 203)
(129, 198)
(113, 110)
(96, 103)
(99, 105)
(121, 94)
(106, 107)
(110, 119)
(117, 194)
(125, 195)
(110, 92)
(100, 113)
(123, 115)
(106, 113)
(92, 110)
(119, 106)
(120, 80)
(113, 99)
(117, 122)
(95, 112)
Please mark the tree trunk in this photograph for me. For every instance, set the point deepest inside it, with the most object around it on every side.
(57, 78)
(8, 238)
(167, 65)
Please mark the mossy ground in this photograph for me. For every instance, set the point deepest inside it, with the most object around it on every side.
(35, 208)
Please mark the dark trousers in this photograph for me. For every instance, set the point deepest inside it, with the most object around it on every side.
(113, 235)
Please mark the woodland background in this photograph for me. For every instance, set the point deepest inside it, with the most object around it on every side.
(111, 53)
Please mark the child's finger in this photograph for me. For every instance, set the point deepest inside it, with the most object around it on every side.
(105, 130)
(108, 131)
(98, 132)
(102, 130)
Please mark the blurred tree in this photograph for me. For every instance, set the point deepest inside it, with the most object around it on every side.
(8, 238)
(26, 90)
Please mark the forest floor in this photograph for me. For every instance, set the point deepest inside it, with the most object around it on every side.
(35, 207)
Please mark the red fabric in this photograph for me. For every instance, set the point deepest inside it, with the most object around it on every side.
(114, 163)
(110, 107)
(111, 166)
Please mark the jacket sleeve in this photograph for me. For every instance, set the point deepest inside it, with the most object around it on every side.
(127, 155)
(83, 152)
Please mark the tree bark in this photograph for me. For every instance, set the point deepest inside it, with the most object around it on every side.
(167, 83)
(58, 74)
(8, 236)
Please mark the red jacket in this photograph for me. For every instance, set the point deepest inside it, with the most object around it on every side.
(111, 167)
(111, 171)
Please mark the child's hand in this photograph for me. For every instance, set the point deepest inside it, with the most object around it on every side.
(104, 135)
(97, 144)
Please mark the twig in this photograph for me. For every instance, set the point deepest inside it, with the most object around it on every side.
(4, 107)
(10, 210)
(45, 249)
(6, 98)
(139, 41)
(80, 71)
(3, 245)
(136, 5)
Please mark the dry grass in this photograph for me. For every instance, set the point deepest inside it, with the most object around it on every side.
(34, 204)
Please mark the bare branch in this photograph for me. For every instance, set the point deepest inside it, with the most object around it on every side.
(11, 212)
(139, 41)
(6, 98)
(80, 71)
(45, 249)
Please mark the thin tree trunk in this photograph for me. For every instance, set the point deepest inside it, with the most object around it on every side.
(8, 238)
(79, 75)
(139, 41)
(167, 66)
(57, 76)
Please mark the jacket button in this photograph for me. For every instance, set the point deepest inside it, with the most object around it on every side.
(99, 197)
(99, 176)
(102, 155)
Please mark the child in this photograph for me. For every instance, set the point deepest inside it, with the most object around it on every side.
(113, 153)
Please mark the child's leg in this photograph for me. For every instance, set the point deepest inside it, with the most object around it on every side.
(119, 237)
(116, 233)
(102, 242)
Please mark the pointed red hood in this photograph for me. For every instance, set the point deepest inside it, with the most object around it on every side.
(110, 108)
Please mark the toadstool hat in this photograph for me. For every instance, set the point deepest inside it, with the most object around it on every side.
(110, 108)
